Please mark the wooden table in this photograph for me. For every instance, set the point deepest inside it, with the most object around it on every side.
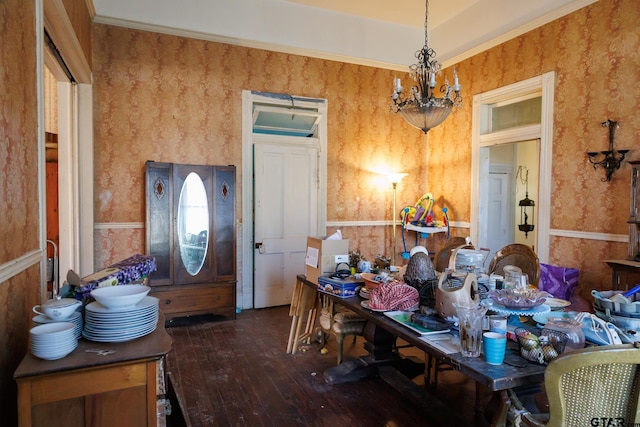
(499, 379)
(91, 389)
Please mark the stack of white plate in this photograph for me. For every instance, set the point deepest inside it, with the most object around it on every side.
(75, 318)
(53, 340)
(104, 324)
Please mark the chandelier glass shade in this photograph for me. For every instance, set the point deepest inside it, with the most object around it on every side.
(422, 108)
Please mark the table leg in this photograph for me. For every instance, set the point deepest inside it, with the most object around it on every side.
(380, 344)
(500, 417)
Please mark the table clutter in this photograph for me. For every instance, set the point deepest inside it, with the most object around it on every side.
(505, 304)
(108, 306)
(500, 326)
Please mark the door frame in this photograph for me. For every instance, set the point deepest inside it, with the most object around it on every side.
(246, 246)
(75, 144)
(542, 85)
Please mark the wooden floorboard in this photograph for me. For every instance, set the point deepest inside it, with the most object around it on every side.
(237, 373)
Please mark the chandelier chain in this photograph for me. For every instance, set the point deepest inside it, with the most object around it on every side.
(426, 19)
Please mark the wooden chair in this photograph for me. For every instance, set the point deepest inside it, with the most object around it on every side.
(441, 258)
(519, 255)
(590, 386)
(339, 321)
(303, 311)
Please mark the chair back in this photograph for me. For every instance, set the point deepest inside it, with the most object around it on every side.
(594, 386)
(442, 257)
(519, 255)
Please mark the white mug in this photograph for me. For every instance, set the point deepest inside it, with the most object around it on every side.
(364, 266)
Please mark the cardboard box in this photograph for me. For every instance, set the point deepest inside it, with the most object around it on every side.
(344, 288)
(321, 256)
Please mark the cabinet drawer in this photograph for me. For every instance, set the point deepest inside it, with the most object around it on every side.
(202, 299)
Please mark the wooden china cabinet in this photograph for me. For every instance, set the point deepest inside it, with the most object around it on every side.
(191, 231)
(626, 272)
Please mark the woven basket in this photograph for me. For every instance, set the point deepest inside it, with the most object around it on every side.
(541, 349)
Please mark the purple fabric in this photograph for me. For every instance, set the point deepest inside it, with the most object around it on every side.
(560, 282)
(133, 268)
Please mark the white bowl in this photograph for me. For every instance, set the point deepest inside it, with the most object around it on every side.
(51, 330)
(120, 296)
(54, 354)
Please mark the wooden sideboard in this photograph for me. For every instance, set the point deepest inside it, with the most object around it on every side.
(86, 388)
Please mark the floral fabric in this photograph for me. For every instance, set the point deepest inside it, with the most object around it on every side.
(133, 268)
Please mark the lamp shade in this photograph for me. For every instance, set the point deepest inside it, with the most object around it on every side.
(396, 177)
(425, 117)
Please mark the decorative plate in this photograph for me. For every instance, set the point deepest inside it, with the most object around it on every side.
(519, 299)
(365, 304)
(542, 308)
(557, 303)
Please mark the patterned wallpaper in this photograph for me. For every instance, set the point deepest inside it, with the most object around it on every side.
(176, 99)
(50, 102)
(18, 189)
(595, 54)
(165, 98)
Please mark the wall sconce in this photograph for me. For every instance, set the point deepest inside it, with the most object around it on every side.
(394, 179)
(612, 158)
(526, 204)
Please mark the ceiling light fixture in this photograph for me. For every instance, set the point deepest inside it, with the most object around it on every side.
(422, 109)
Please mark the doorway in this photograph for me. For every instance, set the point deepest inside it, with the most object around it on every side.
(283, 192)
(71, 107)
(537, 91)
(508, 164)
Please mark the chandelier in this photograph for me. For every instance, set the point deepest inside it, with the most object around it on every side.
(422, 109)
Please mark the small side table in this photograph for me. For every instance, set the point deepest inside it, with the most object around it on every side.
(87, 388)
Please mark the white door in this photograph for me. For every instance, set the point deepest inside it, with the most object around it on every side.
(499, 213)
(285, 213)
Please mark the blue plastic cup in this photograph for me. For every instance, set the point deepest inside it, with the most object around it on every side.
(494, 346)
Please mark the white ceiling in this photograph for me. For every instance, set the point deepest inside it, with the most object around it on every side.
(382, 33)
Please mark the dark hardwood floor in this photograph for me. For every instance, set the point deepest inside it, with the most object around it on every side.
(237, 373)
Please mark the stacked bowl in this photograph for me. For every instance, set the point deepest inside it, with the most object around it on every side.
(75, 318)
(53, 340)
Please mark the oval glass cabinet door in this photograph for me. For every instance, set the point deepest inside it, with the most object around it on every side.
(193, 223)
